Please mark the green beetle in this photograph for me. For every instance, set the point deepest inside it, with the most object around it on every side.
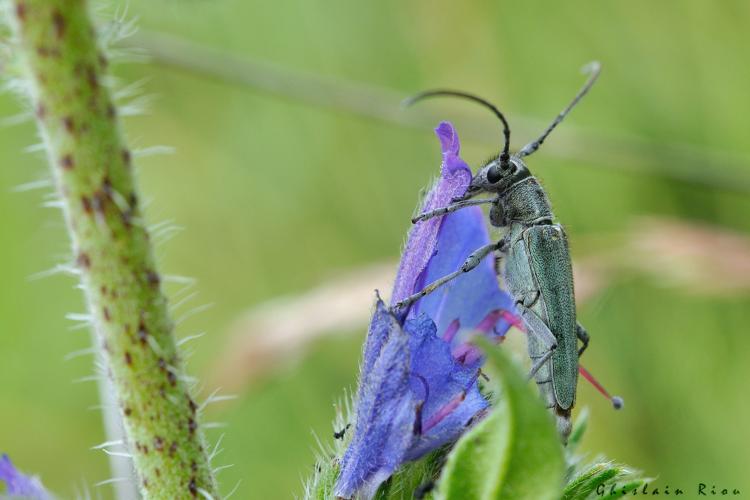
(537, 266)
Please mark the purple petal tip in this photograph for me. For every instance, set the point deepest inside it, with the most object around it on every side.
(448, 139)
(19, 484)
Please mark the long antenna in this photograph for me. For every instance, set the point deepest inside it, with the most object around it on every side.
(616, 401)
(594, 68)
(505, 155)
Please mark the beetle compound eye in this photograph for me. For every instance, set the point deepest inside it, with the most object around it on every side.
(493, 174)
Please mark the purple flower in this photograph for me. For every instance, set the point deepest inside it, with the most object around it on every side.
(20, 485)
(418, 384)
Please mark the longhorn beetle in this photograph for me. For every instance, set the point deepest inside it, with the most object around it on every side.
(538, 270)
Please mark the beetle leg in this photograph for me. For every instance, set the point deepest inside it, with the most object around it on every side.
(498, 263)
(470, 263)
(539, 363)
(450, 208)
(502, 248)
(583, 335)
(541, 332)
(529, 298)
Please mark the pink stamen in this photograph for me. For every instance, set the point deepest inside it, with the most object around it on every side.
(444, 411)
(472, 355)
(467, 353)
(460, 351)
(514, 320)
(451, 331)
(489, 321)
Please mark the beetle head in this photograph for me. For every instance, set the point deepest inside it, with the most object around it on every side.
(496, 176)
(503, 171)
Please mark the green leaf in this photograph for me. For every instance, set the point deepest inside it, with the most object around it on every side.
(595, 480)
(515, 452)
(626, 487)
(415, 478)
(586, 483)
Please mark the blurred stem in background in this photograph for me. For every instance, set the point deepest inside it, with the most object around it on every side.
(64, 75)
(677, 161)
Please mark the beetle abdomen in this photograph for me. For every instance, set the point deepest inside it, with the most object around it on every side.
(550, 265)
(524, 289)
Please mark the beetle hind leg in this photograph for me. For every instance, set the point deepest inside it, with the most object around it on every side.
(540, 362)
(541, 332)
(583, 336)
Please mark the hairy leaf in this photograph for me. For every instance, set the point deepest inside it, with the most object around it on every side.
(514, 452)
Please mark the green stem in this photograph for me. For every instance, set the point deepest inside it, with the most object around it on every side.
(94, 178)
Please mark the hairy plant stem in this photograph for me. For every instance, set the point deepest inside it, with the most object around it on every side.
(92, 168)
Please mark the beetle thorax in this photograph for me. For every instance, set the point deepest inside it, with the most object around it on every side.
(524, 201)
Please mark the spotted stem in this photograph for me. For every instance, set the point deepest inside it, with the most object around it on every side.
(92, 167)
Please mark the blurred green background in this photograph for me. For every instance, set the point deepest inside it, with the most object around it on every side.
(278, 195)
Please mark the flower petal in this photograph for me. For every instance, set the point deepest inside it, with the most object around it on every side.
(418, 383)
(473, 299)
(447, 389)
(19, 484)
(472, 296)
(386, 410)
(455, 177)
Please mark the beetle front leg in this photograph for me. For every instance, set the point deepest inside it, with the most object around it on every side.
(470, 263)
(583, 335)
(450, 208)
(502, 251)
